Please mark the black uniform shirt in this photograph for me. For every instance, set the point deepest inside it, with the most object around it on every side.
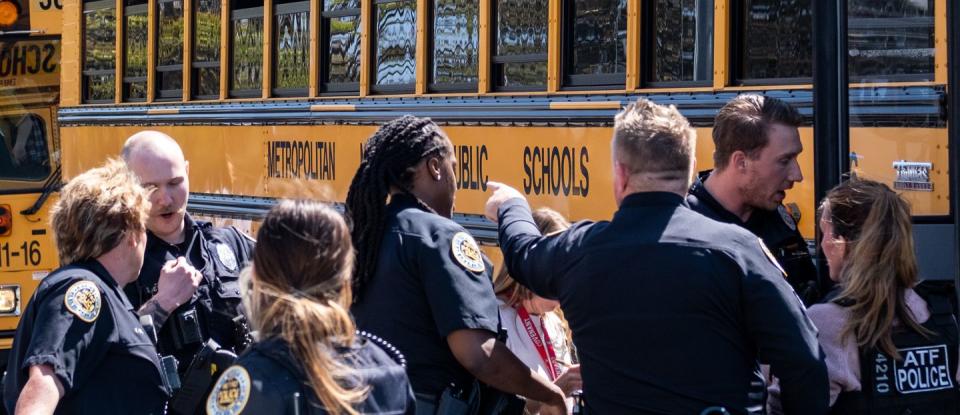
(219, 254)
(421, 292)
(778, 231)
(80, 323)
(669, 310)
(265, 379)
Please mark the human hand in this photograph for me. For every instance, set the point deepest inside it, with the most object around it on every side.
(177, 283)
(570, 381)
(501, 193)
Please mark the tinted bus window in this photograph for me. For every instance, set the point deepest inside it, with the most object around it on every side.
(99, 30)
(135, 53)
(455, 43)
(597, 42)
(340, 27)
(774, 40)
(206, 49)
(23, 152)
(890, 40)
(680, 41)
(520, 60)
(170, 48)
(291, 63)
(396, 35)
(246, 65)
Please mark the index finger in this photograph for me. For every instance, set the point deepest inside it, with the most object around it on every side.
(494, 186)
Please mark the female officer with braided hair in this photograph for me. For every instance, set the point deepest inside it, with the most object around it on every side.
(421, 281)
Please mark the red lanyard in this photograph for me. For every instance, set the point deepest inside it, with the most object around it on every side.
(544, 346)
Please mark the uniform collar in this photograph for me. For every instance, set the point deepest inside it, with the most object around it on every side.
(403, 200)
(699, 190)
(97, 268)
(647, 199)
(189, 227)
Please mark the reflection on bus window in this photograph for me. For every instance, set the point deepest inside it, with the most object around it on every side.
(775, 39)
(891, 40)
(99, 28)
(598, 42)
(396, 43)
(170, 49)
(23, 152)
(135, 54)
(246, 72)
(341, 29)
(455, 43)
(681, 44)
(206, 49)
(291, 65)
(520, 61)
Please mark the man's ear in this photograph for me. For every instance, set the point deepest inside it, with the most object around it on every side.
(738, 160)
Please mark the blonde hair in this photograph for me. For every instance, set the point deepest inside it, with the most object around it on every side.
(96, 210)
(299, 290)
(548, 222)
(655, 140)
(879, 264)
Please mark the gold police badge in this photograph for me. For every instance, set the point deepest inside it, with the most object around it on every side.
(83, 300)
(467, 253)
(231, 392)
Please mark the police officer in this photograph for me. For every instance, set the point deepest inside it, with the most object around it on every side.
(421, 281)
(308, 359)
(190, 311)
(669, 309)
(755, 162)
(79, 347)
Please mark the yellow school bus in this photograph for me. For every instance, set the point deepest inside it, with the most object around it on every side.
(30, 51)
(274, 98)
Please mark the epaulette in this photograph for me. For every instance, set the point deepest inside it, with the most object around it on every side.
(391, 350)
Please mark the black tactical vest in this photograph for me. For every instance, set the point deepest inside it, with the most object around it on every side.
(922, 381)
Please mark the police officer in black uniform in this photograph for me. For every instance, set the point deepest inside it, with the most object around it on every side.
(190, 311)
(669, 309)
(300, 290)
(79, 347)
(421, 281)
(755, 163)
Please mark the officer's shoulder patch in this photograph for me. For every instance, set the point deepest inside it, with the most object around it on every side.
(83, 300)
(231, 392)
(770, 256)
(787, 218)
(467, 252)
(227, 257)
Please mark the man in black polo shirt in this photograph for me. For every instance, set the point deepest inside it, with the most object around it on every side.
(755, 163)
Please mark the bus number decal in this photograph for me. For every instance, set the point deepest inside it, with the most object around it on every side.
(46, 4)
(28, 252)
(556, 171)
(307, 159)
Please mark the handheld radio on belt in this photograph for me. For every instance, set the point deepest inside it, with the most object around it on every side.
(168, 364)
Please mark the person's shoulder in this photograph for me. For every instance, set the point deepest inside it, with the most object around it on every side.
(829, 317)
(714, 233)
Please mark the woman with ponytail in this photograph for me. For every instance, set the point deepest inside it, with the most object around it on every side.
(308, 358)
(891, 346)
(422, 282)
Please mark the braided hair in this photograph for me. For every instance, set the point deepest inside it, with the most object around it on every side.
(389, 160)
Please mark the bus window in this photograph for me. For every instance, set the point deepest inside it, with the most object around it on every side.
(596, 41)
(206, 49)
(170, 49)
(246, 65)
(395, 40)
(774, 41)
(99, 28)
(291, 49)
(890, 41)
(135, 47)
(23, 151)
(340, 29)
(456, 40)
(520, 60)
(679, 42)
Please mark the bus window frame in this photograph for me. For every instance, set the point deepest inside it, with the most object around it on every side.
(432, 85)
(163, 95)
(328, 88)
(736, 23)
(573, 82)
(197, 65)
(46, 114)
(497, 60)
(879, 78)
(132, 10)
(280, 9)
(647, 50)
(93, 6)
(240, 14)
(392, 89)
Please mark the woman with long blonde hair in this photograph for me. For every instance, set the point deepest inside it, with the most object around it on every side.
(891, 347)
(308, 358)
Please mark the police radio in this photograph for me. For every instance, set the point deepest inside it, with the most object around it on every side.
(168, 364)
